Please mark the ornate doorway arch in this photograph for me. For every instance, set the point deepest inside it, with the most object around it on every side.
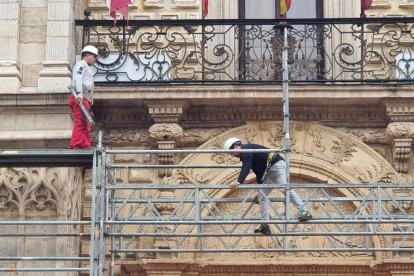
(320, 154)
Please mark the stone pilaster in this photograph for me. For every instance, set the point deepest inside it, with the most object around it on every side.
(166, 131)
(10, 76)
(60, 47)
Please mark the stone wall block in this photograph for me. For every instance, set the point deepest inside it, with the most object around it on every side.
(7, 121)
(34, 3)
(55, 121)
(58, 28)
(9, 48)
(57, 48)
(8, 28)
(32, 53)
(33, 34)
(34, 16)
(9, 11)
(25, 121)
(30, 74)
(59, 11)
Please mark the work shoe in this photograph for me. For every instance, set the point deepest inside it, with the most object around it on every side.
(265, 230)
(304, 215)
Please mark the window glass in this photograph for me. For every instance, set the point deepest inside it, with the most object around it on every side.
(260, 9)
(302, 9)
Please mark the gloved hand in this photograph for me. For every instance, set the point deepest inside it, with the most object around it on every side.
(79, 98)
(233, 186)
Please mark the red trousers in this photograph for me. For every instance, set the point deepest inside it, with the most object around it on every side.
(80, 135)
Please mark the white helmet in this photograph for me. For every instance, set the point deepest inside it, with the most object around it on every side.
(90, 49)
(230, 142)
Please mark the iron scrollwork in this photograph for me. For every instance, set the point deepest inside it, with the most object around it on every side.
(232, 51)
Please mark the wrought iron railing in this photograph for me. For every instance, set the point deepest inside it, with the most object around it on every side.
(329, 51)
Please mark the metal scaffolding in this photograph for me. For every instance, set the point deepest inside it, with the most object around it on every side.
(196, 221)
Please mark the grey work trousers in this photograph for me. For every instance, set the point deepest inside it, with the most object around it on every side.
(276, 175)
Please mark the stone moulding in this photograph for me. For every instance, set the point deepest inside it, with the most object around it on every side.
(279, 267)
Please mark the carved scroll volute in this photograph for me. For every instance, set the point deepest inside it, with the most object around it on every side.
(400, 136)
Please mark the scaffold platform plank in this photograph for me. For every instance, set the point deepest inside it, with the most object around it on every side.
(46, 158)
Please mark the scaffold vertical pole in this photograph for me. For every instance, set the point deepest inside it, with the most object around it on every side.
(95, 227)
(113, 226)
(102, 213)
(286, 116)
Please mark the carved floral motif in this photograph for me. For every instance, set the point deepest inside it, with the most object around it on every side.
(166, 132)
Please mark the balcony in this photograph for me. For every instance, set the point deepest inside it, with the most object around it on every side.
(327, 51)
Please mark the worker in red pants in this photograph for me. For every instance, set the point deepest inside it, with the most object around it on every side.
(83, 84)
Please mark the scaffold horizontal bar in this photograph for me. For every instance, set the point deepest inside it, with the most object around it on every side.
(292, 234)
(257, 186)
(228, 250)
(409, 220)
(46, 158)
(190, 151)
(209, 218)
(232, 200)
(45, 269)
(28, 222)
(174, 166)
(46, 235)
(44, 258)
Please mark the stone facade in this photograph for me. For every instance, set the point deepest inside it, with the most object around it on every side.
(340, 134)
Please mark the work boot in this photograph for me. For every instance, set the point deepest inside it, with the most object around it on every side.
(265, 230)
(304, 215)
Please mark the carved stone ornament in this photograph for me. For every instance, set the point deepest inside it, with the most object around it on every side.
(400, 136)
(166, 132)
(33, 190)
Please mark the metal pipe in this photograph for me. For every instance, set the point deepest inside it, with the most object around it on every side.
(232, 200)
(93, 210)
(44, 259)
(255, 186)
(20, 222)
(190, 151)
(45, 235)
(363, 221)
(291, 234)
(126, 166)
(112, 268)
(45, 269)
(264, 250)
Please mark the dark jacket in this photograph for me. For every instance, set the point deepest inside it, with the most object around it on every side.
(255, 161)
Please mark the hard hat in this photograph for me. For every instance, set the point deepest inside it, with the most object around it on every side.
(230, 142)
(90, 49)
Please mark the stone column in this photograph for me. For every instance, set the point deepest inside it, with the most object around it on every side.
(10, 76)
(60, 47)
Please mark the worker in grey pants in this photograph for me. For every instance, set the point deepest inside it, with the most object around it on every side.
(276, 175)
(269, 168)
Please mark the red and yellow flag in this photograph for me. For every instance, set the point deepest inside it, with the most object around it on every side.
(284, 7)
(204, 7)
(121, 6)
